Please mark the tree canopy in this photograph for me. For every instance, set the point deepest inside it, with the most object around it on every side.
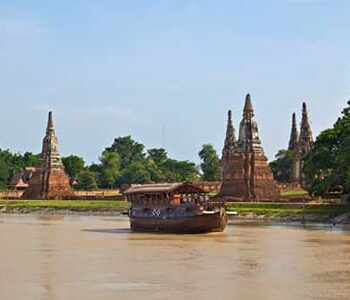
(126, 161)
(327, 166)
(282, 166)
(73, 165)
(86, 181)
(209, 163)
(110, 169)
(128, 150)
(11, 163)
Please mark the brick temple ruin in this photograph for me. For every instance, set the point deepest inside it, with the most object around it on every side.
(300, 146)
(245, 173)
(49, 180)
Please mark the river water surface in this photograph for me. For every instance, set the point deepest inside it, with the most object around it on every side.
(81, 257)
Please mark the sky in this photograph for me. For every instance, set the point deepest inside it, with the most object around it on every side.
(167, 71)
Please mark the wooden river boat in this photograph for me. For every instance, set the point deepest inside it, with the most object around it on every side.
(174, 208)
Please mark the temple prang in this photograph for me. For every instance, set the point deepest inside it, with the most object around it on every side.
(294, 135)
(306, 140)
(49, 180)
(245, 172)
(302, 149)
(230, 139)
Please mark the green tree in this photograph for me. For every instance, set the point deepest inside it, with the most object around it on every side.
(320, 165)
(327, 166)
(155, 171)
(4, 173)
(128, 150)
(158, 155)
(73, 165)
(110, 169)
(342, 128)
(282, 166)
(178, 171)
(136, 172)
(9, 164)
(209, 163)
(30, 159)
(86, 181)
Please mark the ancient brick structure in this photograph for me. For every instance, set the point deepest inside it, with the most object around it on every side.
(300, 146)
(49, 180)
(294, 135)
(245, 172)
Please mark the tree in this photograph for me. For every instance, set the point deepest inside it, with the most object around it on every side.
(158, 155)
(327, 166)
(136, 172)
(30, 159)
(73, 165)
(4, 173)
(178, 171)
(128, 150)
(342, 127)
(9, 164)
(86, 181)
(209, 163)
(282, 166)
(155, 171)
(110, 169)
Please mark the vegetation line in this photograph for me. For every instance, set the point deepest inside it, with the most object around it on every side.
(266, 209)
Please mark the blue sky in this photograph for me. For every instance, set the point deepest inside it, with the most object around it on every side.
(111, 68)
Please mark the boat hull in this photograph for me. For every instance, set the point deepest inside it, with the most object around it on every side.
(202, 223)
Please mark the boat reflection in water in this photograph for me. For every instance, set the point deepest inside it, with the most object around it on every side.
(174, 208)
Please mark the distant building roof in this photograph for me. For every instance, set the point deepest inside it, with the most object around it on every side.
(18, 182)
(20, 179)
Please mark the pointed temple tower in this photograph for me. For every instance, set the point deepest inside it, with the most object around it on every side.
(49, 180)
(303, 146)
(245, 172)
(294, 135)
(230, 140)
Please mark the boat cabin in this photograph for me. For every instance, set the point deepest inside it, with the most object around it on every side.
(166, 194)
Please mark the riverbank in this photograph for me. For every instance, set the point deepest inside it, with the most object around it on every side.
(280, 212)
(71, 207)
(292, 212)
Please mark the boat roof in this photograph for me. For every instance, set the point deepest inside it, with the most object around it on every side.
(163, 188)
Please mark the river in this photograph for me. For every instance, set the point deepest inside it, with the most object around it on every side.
(82, 257)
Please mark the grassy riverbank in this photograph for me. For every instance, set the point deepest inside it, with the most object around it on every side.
(263, 211)
(294, 193)
(285, 210)
(74, 205)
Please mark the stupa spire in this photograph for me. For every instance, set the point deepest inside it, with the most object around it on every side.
(294, 136)
(49, 180)
(306, 140)
(50, 127)
(230, 139)
(248, 110)
(244, 171)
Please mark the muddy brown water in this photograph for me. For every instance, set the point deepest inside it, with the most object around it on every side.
(82, 257)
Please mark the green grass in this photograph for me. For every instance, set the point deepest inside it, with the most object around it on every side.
(294, 193)
(282, 210)
(273, 209)
(65, 204)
